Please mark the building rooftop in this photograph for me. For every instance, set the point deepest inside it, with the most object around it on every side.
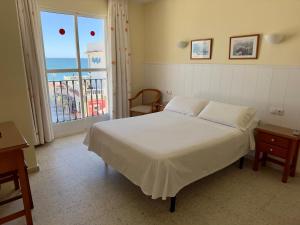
(95, 47)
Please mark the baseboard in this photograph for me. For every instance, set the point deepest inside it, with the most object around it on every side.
(77, 126)
(34, 169)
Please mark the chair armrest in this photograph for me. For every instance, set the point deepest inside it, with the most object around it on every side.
(133, 98)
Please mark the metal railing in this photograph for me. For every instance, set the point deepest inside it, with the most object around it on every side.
(68, 103)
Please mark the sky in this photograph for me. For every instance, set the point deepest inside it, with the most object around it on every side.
(63, 46)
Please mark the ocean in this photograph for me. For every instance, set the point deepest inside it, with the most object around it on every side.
(63, 63)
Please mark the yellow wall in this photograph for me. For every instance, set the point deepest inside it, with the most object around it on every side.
(99, 8)
(14, 102)
(169, 21)
(136, 18)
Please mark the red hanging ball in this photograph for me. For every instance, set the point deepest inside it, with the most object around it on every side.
(93, 33)
(62, 31)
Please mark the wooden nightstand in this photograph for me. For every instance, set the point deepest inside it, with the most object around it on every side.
(280, 143)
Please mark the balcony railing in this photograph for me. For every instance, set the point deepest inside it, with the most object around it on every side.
(67, 104)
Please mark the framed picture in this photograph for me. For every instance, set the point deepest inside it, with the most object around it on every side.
(201, 48)
(244, 47)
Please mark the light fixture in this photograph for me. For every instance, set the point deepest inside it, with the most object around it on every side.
(274, 38)
(182, 44)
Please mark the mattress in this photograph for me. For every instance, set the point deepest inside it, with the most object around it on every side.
(165, 151)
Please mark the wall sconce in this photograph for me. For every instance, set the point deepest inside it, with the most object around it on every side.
(274, 38)
(182, 44)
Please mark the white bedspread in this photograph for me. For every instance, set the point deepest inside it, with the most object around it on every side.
(163, 152)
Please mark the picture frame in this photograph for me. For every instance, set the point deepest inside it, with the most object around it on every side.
(201, 49)
(244, 46)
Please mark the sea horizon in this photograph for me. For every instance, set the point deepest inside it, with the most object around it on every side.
(64, 63)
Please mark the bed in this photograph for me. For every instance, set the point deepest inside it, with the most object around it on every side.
(166, 151)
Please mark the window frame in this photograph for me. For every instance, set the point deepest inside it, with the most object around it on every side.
(79, 70)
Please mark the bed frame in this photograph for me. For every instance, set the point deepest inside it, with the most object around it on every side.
(173, 199)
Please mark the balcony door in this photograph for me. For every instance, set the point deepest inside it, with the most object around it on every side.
(75, 58)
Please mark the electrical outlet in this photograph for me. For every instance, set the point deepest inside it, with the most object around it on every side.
(169, 95)
(281, 112)
(169, 92)
(277, 111)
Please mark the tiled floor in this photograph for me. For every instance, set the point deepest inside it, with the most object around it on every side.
(75, 188)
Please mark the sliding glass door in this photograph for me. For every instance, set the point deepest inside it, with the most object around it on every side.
(75, 59)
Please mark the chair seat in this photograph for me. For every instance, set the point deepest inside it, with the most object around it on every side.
(142, 109)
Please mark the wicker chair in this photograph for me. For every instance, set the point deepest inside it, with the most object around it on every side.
(148, 99)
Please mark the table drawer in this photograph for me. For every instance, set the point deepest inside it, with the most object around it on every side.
(273, 150)
(274, 140)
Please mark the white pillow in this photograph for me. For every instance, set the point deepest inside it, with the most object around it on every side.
(186, 105)
(227, 114)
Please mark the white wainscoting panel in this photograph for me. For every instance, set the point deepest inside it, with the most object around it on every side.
(259, 86)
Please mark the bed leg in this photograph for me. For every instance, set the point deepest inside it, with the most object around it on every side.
(241, 165)
(173, 204)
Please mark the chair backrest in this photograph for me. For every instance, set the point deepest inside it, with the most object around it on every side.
(150, 96)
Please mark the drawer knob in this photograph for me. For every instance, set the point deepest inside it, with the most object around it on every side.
(272, 139)
(271, 150)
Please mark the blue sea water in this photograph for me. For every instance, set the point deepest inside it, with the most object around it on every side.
(63, 63)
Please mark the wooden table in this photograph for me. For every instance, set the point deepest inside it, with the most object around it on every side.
(278, 142)
(12, 159)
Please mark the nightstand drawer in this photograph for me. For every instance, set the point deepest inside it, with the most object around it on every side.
(280, 142)
(273, 150)
(274, 140)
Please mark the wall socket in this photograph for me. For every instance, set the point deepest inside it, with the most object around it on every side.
(169, 92)
(277, 111)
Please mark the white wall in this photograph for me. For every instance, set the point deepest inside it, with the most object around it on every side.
(260, 86)
(76, 126)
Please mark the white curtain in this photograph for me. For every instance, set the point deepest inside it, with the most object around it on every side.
(119, 57)
(30, 30)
